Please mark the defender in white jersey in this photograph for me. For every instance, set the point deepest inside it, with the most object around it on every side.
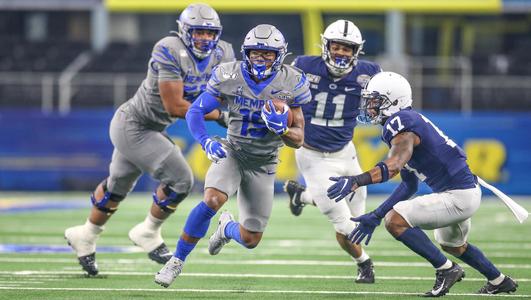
(246, 161)
(336, 79)
(178, 70)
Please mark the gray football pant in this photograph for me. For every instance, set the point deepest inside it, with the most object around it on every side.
(253, 181)
(138, 149)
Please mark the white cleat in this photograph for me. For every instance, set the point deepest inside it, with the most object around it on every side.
(169, 272)
(151, 241)
(218, 239)
(84, 245)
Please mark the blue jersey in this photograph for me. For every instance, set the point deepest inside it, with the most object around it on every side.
(330, 117)
(437, 160)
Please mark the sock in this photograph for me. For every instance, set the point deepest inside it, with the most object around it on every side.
(497, 280)
(93, 229)
(362, 258)
(183, 249)
(307, 198)
(198, 220)
(152, 223)
(477, 260)
(447, 265)
(232, 231)
(416, 240)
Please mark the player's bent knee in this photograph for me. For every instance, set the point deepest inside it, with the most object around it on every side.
(344, 227)
(167, 199)
(215, 198)
(104, 200)
(395, 223)
(455, 251)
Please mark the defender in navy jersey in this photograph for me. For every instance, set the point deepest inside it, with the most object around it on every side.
(420, 151)
(336, 80)
(245, 162)
(178, 70)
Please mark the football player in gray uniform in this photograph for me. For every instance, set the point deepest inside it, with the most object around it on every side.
(178, 70)
(246, 161)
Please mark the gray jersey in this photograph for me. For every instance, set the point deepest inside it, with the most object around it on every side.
(171, 60)
(245, 98)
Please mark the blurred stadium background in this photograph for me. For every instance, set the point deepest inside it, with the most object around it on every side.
(66, 64)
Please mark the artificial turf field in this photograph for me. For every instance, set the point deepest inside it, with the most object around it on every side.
(298, 257)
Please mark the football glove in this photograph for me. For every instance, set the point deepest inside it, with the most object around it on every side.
(366, 225)
(275, 122)
(341, 188)
(214, 150)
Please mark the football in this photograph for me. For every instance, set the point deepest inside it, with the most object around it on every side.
(279, 107)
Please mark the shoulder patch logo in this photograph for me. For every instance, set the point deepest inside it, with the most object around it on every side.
(282, 95)
(362, 79)
(227, 75)
(183, 53)
(313, 78)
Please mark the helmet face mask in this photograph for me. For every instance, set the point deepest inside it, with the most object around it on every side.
(371, 107)
(194, 24)
(346, 34)
(263, 38)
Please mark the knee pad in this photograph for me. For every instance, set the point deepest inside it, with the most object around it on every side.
(107, 196)
(343, 226)
(173, 199)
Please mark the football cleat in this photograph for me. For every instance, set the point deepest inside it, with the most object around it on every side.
(151, 241)
(218, 239)
(365, 272)
(84, 245)
(508, 285)
(294, 190)
(169, 272)
(444, 280)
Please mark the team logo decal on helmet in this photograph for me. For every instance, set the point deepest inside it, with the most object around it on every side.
(264, 37)
(199, 16)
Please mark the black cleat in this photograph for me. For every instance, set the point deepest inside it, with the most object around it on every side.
(444, 280)
(508, 285)
(294, 190)
(161, 254)
(365, 272)
(88, 263)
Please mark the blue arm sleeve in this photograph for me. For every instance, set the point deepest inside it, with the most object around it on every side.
(195, 117)
(407, 188)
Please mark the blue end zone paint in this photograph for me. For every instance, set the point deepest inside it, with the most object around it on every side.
(25, 207)
(17, 248)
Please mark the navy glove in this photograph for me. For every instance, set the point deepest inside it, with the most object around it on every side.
(275, 122)
(366, 225)
(341, 188)
(214, 150)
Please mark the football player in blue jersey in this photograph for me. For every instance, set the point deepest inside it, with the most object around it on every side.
(420, 150)
(336, 79)
(245, 163)
(178, 70)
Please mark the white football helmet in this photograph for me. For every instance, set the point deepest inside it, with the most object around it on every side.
(385, 94)
(344, 32)
(264, 37)
(199, 16)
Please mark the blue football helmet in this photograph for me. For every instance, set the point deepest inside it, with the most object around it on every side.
(195, 17)
(264, 37)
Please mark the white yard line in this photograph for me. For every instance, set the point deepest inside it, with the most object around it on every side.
(247, 291)
(246, 262)
(56, 274)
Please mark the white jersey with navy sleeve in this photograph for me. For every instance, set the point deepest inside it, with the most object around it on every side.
(172, 60)
(330, 117)
(245, 98)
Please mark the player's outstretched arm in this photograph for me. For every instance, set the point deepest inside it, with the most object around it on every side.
(294, 138)
(400, 153)
(172, 95)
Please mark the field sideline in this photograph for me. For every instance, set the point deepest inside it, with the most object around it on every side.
(298, 257)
